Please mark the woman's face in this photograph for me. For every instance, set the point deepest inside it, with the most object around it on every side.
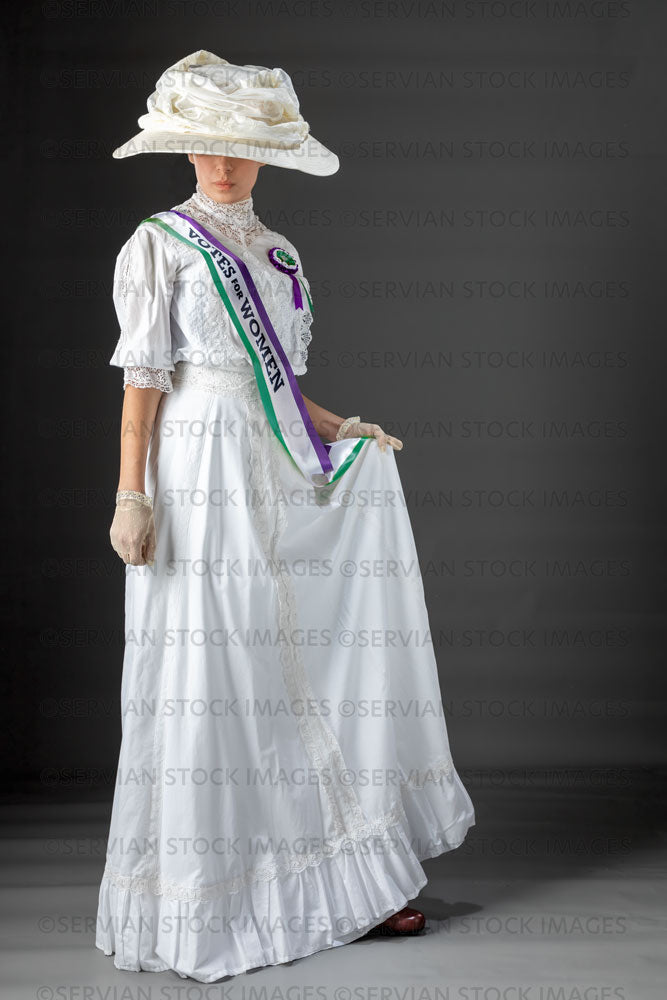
(225, 178)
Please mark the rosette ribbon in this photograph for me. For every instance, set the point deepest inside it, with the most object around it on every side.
(284, 261)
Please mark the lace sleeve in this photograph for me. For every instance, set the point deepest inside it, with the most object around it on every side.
(148, 378)
(305, 335)
(305, 338)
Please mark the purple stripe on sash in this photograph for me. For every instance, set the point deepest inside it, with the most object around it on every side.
(320, 450)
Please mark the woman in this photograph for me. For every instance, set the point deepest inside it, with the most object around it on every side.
(284, 764)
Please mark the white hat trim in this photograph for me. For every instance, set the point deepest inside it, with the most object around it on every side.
(204, 104)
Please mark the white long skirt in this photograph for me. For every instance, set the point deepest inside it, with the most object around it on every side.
(284, 764)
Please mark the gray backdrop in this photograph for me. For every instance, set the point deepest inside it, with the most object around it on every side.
(487, 276)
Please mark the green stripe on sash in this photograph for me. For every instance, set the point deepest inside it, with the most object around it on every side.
(350, 459)
(256, 363)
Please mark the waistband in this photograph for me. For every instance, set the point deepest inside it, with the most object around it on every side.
(222, 381)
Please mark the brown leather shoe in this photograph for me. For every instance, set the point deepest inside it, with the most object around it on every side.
(406, 921)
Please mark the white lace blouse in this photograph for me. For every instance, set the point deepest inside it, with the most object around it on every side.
(168, 308)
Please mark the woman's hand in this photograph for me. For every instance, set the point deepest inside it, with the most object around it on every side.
(132, 532)
(329, 426)
(360, 429)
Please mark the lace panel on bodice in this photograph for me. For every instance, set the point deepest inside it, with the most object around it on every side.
(237, 221)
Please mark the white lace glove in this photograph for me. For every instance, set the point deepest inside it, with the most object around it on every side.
(354, 427)
(132, 531)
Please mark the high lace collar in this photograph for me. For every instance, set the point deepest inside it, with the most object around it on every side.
(240, 214)
(236, 219)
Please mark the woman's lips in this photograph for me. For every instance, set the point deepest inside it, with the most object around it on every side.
(223, 184)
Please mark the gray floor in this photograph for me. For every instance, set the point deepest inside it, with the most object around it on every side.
(558, 894)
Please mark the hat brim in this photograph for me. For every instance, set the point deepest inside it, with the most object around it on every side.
(311, 156)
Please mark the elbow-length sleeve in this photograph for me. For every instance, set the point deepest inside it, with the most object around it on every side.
(304, 334)
(295, 323)
(142, 291)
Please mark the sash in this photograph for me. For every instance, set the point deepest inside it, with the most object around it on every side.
(321, 464)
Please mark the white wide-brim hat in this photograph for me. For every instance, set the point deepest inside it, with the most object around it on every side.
(204, 104)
